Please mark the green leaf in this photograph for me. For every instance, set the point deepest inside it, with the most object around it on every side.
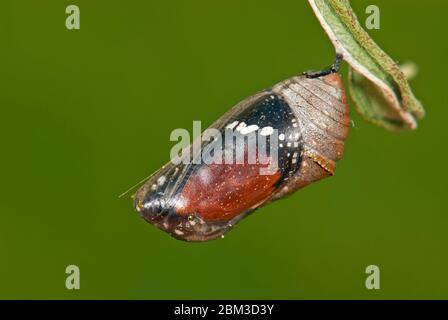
(378, 87)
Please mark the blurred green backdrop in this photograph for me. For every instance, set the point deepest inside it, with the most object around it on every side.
(86, 114)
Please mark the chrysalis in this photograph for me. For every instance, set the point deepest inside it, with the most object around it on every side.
(302, 121)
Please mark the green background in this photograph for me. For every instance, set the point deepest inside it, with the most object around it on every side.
(86, 114)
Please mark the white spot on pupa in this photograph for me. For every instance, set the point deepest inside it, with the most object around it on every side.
(296, 144)
(288, 144)
(296, 136)
(249, 129)
(147, 205)
(241, 126)
(180, 203)
(281, 137)
(267, 131)
(232, 125)
(177, 231)
(161, 180)
(281, 145)
(154, 187)
(294, 125)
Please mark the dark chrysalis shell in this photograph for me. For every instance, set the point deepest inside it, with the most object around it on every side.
(199, 202)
